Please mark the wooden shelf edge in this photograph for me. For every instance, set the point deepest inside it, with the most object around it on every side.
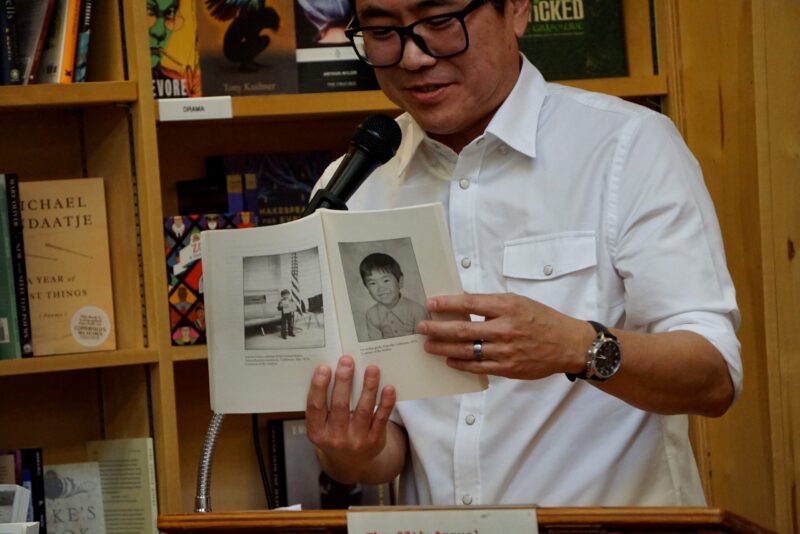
(189, 353)
(315, 105)
(623, 87)
(74, 362)
(15, 97)
(630, 519)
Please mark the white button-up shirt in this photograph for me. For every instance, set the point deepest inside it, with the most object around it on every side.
(593, 206)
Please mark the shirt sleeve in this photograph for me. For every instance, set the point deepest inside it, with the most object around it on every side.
(666, 241)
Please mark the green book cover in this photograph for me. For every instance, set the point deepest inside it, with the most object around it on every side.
(9, 329)
(574, 39)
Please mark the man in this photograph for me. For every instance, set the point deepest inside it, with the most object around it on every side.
(564, 206)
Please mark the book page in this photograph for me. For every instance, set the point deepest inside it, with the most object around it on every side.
(384, 265)
(127, 475)
(270, 315)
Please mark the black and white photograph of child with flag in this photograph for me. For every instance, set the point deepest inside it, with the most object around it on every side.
(282, 299)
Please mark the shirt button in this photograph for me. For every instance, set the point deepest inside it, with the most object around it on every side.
(467, 499)
(470, 419)
(463, 183)
(548, 270)
(466, 262)
(503, 149)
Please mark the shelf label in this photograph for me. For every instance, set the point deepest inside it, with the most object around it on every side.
(195, 109)
(423, 520)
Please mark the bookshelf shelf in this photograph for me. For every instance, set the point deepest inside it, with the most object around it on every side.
(67, 95)
(318, 105)
(190, 353)
(72, 362)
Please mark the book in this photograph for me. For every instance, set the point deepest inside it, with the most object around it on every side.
(82, 46)
(128, 477)
(174, 49)
(574, 40)
(25, 468)
(304, 278)
(325, 60)
(74, 498)
(10, 346)
(68, 264)
(10, 71)
(277, 185)
(235, 186)
(185, 270)
(33, 18)
(58, 56)
(298, 478)
(17, 242)
(247, 48)
(14, 502)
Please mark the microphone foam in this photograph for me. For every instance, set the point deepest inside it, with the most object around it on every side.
(379, 135)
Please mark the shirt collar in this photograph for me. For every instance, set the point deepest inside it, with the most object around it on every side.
(517, 120)
(515, 123)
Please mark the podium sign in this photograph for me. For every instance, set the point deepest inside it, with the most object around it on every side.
(436, 520)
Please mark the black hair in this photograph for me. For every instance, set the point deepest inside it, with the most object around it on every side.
(284, 292)
(499, 6)
(379, 262)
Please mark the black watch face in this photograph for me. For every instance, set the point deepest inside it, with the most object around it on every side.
(607, 359)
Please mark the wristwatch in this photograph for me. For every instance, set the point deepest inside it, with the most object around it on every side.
(603, 357)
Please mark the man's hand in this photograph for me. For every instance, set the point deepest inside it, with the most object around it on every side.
(349, 443)
(521, 338)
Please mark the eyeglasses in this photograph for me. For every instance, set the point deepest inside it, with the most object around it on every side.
(439, 36)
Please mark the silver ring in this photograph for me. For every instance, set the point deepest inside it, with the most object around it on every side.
(477, 350)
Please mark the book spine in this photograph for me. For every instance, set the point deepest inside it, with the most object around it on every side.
(70, 41)
(277, 462)
(82, 47)
(9, 328)
(151, 475)
(18, 265)
(33, 464)
(251, 192)
(10, 73)
(41, 39)
(235, 193)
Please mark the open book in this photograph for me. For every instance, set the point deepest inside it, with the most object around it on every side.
(282, 299)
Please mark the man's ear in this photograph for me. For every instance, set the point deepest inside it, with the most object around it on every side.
(400, 282)
(520, 11)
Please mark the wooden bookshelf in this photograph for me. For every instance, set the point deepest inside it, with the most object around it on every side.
(18, 97)
(72, 362)
(716, 66)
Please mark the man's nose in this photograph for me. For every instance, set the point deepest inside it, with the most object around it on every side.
(414, 57)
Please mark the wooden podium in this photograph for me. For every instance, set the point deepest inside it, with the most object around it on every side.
(560, 520)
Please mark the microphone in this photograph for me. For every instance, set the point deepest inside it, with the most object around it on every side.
(374, 142)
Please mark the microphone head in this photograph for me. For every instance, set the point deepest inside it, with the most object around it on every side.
(379, 135)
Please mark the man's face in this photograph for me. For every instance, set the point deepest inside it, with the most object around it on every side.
(453, 99)
(162, 14)
(383, 287)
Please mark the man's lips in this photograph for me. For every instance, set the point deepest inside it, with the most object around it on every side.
(427, 91)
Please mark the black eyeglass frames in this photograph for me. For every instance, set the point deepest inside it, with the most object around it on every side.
(440, 36)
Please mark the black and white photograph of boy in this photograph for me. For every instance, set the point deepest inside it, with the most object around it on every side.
(384, 287)
(282, 301)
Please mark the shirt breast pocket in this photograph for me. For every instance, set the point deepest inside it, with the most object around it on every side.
(558, 270)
